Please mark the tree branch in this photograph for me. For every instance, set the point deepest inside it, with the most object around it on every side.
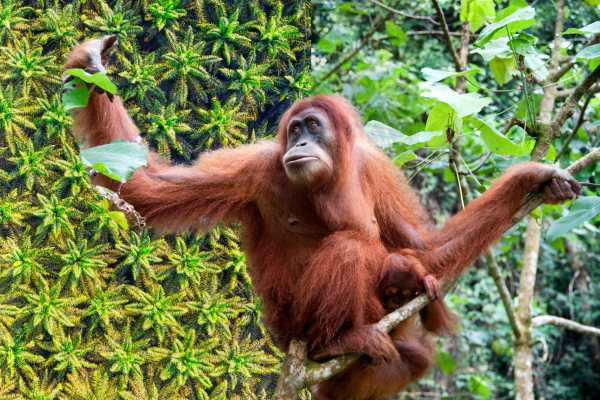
(504, 293)
(565, 323)
(365, 40)
(580, 121)
(444, 25)
(568, 107)
(403, 14)
(306, 373)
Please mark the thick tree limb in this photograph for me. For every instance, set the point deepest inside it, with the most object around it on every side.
(298, 372)
(565, 323)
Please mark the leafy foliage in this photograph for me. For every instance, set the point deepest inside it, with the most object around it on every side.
(401, 76)
(89, 306)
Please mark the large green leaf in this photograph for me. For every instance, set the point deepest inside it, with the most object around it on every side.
(535, 62)
(402, 158)
(395, 33)
(384, 135)
(477, 13)
(589, 53)
(75, 94)
(463, 104)
(502, 69)
(495, 48)
(445, 362)
(436, 75)
(496, 142)
(99, 79)
(592, 28)
(440, 118)
(479, 387)
(582, 210)
(521, 19)
(116, 160)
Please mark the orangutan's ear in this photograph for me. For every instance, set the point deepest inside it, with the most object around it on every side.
(108, 43)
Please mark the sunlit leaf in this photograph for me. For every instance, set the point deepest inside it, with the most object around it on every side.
(384, 135)
(75, 94)
(589, 53)
(99, 79)
(395, 33)
(445, 362)
(496, 141)
(477, 13)
(495, 48)
(404, 157)
(478, 386)
(594, 27)
(521, 19)
(463, 104)
(436, 75)
(502, 69)
(117, 160)
(534, 61)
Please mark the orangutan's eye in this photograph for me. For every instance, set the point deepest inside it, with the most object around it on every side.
(295, 130)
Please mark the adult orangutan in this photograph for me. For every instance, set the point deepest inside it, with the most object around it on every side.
(331, 228)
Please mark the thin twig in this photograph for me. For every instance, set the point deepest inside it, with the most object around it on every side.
(415, 33)
(444, 25)
(365, 40)
(403, 14)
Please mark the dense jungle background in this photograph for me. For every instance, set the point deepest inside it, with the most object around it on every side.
(93, 306)
(390, 58)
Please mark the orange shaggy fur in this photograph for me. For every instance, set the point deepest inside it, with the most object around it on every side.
(320, 279)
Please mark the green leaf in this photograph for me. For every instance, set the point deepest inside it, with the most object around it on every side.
(523, 43)
(521, 112)
(440, 118)
(99, 79)
(395, 33)
(592, 28)
(326, 45)
(404, 157)
(536, 64)
(496, 142)
(478, 386)
(119, 218)
(495, 48)
(75, 94)
(384, 135)
(436, 75)
(477, 13)
(521, 19)
(117, 160)
(445, 362)
(463, 104)
(589, 53)
(583, 209)
(500, 347)
(502, 69)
